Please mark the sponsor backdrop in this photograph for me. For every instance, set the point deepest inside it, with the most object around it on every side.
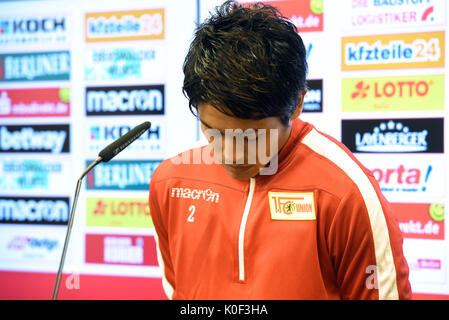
(76, 75)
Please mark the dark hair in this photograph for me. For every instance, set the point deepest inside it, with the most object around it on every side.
(249, 60)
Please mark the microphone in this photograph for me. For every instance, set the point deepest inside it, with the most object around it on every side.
(104, 156)
(121, 143)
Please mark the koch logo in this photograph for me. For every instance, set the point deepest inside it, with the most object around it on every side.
(313, 100)
(102, 135)
(393, 51)
(410, 93)
(122, 175)
(35, 138)
(32, 30)
(114, 132)
(33, 25)
(125, 25)
(28, 210)
(135, 100)
(35, 66)
(394, 136)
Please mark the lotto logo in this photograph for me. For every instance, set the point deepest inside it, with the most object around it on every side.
(394, 51)
(404, 93)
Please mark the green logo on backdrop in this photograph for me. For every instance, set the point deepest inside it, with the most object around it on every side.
(35, 66)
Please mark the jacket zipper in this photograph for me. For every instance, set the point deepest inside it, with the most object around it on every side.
(252, 184)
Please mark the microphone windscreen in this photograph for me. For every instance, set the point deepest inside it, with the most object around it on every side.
(121, 143)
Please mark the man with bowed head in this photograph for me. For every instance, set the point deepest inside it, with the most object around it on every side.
(284, 211)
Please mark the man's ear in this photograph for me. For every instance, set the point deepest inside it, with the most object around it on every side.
(299, 106)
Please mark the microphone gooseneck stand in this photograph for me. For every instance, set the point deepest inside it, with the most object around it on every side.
(69, 226)
(104, 156)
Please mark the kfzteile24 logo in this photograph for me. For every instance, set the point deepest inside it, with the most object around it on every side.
(125, 25)
(393, 51)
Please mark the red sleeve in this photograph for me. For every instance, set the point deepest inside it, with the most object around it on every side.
(161, 237)
(366, 250)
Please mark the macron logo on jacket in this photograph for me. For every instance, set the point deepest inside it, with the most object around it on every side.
(195, 194)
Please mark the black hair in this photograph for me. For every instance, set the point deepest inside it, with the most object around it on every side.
(247, 61)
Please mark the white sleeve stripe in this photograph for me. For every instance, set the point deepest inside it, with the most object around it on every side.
(165, 284)
(386, 270)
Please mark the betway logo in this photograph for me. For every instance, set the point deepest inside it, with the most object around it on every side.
(36, 138)
(195, 194)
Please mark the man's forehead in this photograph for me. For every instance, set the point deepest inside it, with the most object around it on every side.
(212, 117)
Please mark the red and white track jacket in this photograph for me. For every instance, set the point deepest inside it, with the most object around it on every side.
(317, 229)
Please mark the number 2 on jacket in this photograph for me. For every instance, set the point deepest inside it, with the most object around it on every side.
(191, 218)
